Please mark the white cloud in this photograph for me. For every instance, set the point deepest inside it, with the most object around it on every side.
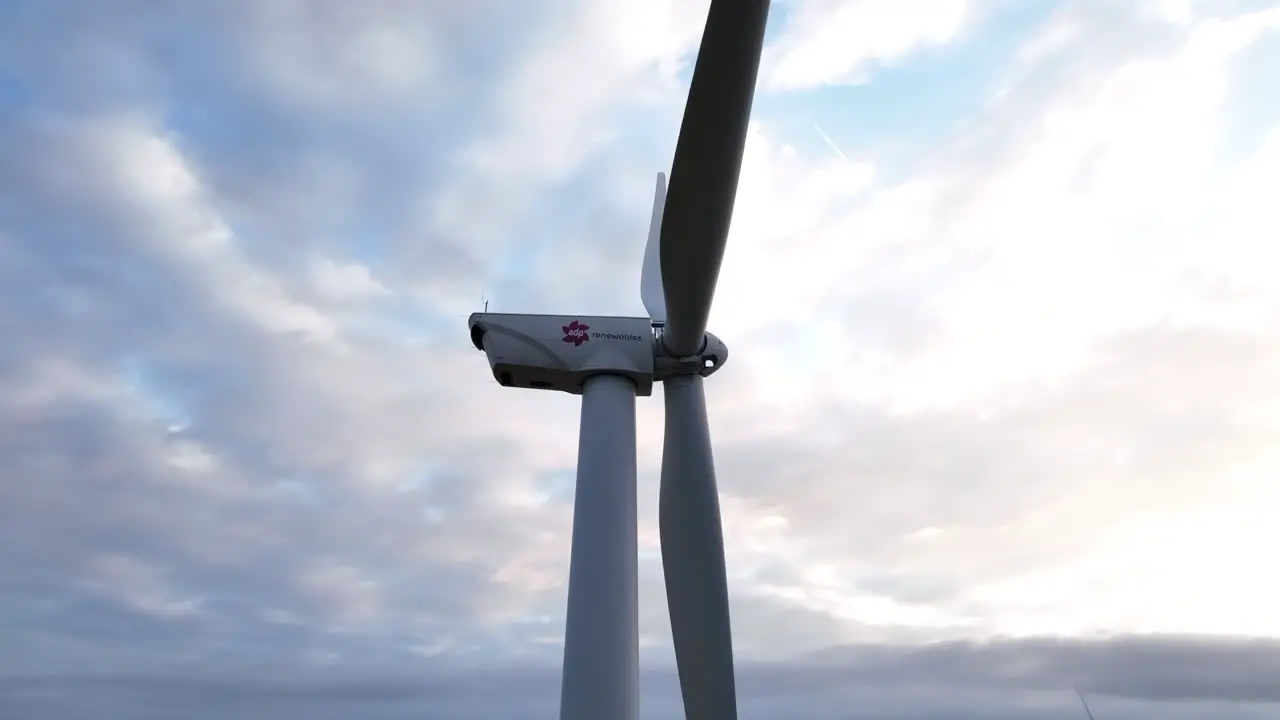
(334, 53)
(832, 42)
(143, 173)
(1019, 267)
(345, 281)
(552, 109)
(140, 586)
(347, 595)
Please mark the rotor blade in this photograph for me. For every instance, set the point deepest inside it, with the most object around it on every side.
(704, 173)
(651, 293)
(693, 556)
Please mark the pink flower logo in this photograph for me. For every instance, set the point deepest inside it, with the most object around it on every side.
(576, 333)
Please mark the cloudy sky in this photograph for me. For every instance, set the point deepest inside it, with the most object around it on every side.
(1002, 415)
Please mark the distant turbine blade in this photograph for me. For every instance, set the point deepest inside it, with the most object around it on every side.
(651, 273)
(1087, 711)
(693, 556)
(704, 172)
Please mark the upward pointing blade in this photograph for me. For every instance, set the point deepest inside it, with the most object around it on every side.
(704, 173)
(651, 272)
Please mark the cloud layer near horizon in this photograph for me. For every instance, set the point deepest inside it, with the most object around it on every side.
(1173, 676)
(1004, 368)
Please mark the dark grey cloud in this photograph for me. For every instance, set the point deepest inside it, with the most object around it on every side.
(1136, 667)
(1126, 676)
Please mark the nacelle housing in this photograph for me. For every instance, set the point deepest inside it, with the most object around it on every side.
(559, 352)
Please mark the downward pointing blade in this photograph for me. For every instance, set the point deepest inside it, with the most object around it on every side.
(704, 173)
(693, 556)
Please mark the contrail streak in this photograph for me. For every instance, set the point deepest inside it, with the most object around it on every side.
(830, 143)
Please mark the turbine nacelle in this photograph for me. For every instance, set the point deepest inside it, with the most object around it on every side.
(559, 352)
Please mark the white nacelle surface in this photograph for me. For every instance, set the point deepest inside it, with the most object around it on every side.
(559, 352)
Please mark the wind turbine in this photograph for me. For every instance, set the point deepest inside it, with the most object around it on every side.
(610, 361)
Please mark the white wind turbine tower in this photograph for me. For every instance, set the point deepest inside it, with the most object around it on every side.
(611, 360)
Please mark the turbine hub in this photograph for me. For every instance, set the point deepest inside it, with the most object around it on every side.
(707, 360)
